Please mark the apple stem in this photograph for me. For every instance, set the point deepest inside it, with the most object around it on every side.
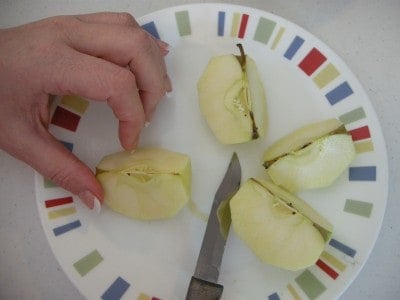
(242, 55)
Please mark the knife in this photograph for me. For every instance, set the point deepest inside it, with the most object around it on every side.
(204, 284)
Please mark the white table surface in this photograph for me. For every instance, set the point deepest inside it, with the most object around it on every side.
(364, 33)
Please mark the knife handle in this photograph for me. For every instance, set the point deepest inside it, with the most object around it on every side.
(200, 289)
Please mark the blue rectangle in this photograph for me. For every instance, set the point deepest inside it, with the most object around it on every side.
(116, 290)
(342, 247)
(294, 47)
(367, 173)
(339, 93)
(67, 227)
(274, 296)
(221, 23)
(152, 29)
(68, 145)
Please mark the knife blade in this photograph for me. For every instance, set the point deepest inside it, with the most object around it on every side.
(204, 283)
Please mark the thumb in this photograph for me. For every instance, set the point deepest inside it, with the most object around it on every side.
(54, 161)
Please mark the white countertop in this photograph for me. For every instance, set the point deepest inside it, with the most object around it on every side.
(364, 33)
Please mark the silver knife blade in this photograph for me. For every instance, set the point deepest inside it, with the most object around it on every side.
(213, 245)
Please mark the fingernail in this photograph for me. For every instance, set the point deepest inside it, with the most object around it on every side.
(96, 206)
(168, 84)
(169, 95)
(147, 124)
(165, 47)
(91, 201)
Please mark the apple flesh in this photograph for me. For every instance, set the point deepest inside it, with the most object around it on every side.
(281, 229)
(232, 98)
(147, 184)
(311, 157)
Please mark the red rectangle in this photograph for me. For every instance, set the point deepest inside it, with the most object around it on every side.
(58, 201)
(65, 119)
(361, 133)
(243, 25)
(312, 61)
(327, 269)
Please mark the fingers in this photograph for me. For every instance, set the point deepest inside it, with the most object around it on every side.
(123, 19)
(101, 80)
(54, 161)
(127, 46)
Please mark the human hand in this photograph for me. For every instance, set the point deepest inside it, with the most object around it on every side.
(102, 56)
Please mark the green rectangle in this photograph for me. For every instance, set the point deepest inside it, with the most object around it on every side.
(264, 30)
(310, 284)
(183, 22)
(352, 116)
(360, 208)
(88, 263)
(47, 183)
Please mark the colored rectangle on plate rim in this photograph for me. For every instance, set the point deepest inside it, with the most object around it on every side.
(294, 46)
(362, 173)
(66, 227)
(65, 119)
(353, 115)
(312, 61)
(327, 269)
(76, 103)
(87, 263)
(221, 23)
(116, 290)
(152, 29)
(62, 212)
(183, 22)
(342, 248)
(326, 75)
(364, 146)
(339, 93)
(310, 284)
(360, 133)
(264, 30)
(58, 201)
(243, 25)
(333, 261)
(278, 38)
(358, 207)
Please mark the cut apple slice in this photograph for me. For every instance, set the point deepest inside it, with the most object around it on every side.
(313, 156)
(147, 184)
(281, 229)
(232, 98)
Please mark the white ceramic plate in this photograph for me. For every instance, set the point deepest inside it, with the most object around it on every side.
(109, 256)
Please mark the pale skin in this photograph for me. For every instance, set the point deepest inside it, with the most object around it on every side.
(102, 57)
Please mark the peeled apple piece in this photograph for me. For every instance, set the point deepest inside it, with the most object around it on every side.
(281, 229)
(232, 98)
(311, 157)
(147, 184)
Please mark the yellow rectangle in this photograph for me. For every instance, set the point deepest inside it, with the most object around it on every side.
(278, 37)
(75, 103)
(235, 24)
(326, 75)
(293, 292)
(364, 146)
(143, 297)
(333, 261)
(54, 214)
